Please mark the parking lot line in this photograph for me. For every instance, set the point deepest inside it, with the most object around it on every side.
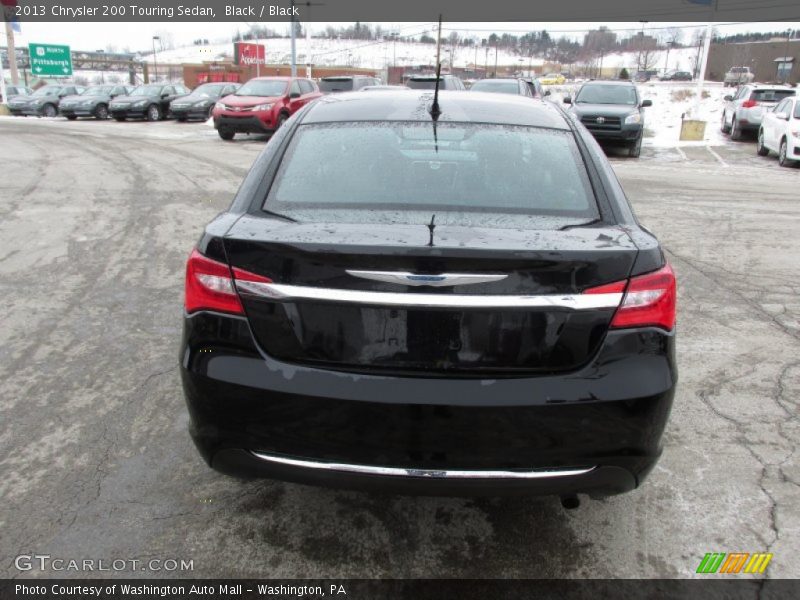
(717, 156)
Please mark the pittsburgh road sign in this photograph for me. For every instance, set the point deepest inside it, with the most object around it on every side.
(50, 60)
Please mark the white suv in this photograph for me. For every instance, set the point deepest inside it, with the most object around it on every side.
(780, 132)
(744, 110)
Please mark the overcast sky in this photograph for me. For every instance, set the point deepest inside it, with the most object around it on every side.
(138, 36)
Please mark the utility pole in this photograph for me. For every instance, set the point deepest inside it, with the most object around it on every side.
(12, 52)
(486, 64)
(155, 64)
(495, 60)
(294, 48)
(786, 54)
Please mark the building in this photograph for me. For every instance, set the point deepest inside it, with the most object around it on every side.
(771, 61)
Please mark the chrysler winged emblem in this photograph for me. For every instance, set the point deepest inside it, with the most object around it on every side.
(418, 279)
(600, 120)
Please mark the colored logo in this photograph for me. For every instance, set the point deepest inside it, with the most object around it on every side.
(734, 562)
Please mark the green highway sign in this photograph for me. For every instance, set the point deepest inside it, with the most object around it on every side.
(50, 60)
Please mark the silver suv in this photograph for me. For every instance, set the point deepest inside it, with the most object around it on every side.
(745, 109)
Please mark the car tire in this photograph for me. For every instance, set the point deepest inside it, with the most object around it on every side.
(49, 110)
(101, 112)
(736, 131)
(783, 153)
(72, 117)
(226, 134)
(635, 149)
(153, 113)
(282, 118)
(761, 149)
(724, 127)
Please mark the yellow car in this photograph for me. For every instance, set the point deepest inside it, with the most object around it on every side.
(552, 79)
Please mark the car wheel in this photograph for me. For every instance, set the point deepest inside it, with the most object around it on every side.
(635, 149)
(724, 127)
(153, 113)
(761, 149)
(49, 110)
(226, 134)
(101, 112)
(282, 118)
(72, 117)
(783, 154)
(736, 132)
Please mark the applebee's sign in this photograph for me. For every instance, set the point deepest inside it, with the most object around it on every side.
(246, 53)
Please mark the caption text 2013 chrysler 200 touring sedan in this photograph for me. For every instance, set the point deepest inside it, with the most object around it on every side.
(453, 305)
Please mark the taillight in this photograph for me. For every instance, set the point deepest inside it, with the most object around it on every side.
(749, 104)
(649, 300)
(209, 285)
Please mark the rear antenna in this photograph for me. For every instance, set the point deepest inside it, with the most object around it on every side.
(435, 111)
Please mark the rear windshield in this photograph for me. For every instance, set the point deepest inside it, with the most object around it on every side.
(468, 174)
(334, 84)
(770, 95)
(428, 83)
(499, 87)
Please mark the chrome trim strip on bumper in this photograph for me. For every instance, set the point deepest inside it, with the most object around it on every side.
(429, 473)
(280, 293)
(417, 279)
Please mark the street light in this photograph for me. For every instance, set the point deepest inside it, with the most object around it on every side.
(155, 63)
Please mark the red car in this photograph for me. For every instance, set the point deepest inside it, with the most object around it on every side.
(262, 105)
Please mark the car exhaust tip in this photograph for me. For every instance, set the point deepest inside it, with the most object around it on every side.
(570, 501)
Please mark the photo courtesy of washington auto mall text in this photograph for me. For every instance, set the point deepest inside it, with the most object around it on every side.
(422, 299)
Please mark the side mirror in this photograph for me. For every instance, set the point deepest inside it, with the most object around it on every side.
(547, 93)
(646, 103)
(165, 95)
(782, 116)
(294, 95)
(728, 98)
(567, 100)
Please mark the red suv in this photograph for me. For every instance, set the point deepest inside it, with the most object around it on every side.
(262, 105)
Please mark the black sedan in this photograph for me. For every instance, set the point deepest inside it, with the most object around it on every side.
(454, 305)
(200, 103)
(93, 102)
(43, 102)
(149, 101)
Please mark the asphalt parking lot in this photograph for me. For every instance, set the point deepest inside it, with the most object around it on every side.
(97, 221)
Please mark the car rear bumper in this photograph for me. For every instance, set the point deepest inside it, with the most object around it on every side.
(597, 430)
(244, 124)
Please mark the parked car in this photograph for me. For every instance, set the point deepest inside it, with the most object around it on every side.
(676, 76)
(200, 103)
(537, 91)
(780, 132)
(744, 110)
(149, 101)
(15, 90)
(502, 86)
(346, 83)
(262, 105)
(521, 339)
(428, 82)
(92, 102)
(738, 76)
(612, 111)
(552, 79)
(43, 102)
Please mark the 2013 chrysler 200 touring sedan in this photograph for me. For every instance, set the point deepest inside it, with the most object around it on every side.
(461, 305)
